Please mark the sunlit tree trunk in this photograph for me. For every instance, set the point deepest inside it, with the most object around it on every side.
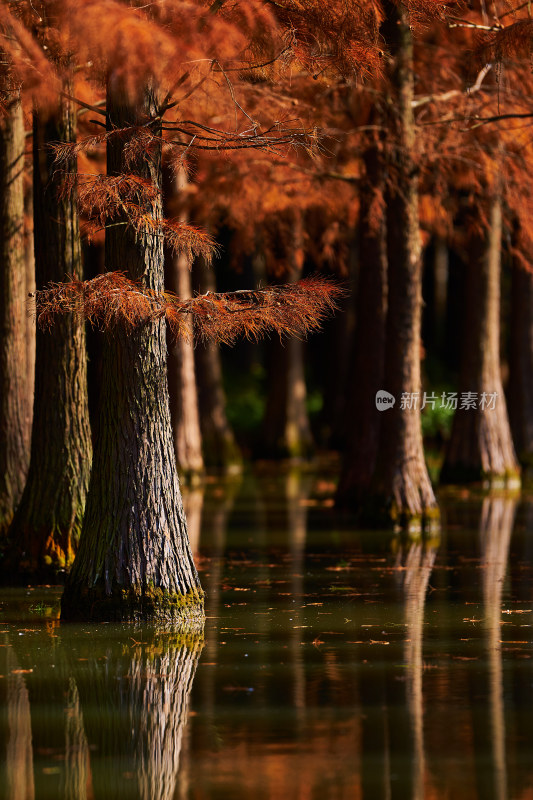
(44, 535)
(219, 446)
(286, 428)
(15, 400)
(401, 490)
(480, 446)
(363, 419)
(134, 559)
(181, 367)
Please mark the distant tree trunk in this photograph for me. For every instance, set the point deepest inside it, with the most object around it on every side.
(286, 428)
(15, 402)
(363, 419)
(219, 446)
(44, 535)
(29, 259)
(134, 559)
(181, 369)
(520, 390)
(401, 490)
(480, 446)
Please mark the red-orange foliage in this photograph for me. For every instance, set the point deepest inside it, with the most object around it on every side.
(112, 299)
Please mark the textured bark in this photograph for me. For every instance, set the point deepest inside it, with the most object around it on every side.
(219, 446)
(363, 419)
(45, 531)
(286, 428)
(15, 400)
(520, 390)
(401, 490)
(134, 558)
(480, 446)
(181, 369)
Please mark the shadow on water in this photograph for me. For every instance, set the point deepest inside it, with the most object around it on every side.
(337, 664)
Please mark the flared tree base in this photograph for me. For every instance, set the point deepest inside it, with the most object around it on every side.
(152, 604)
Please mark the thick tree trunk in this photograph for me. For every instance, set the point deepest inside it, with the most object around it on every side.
(45, 531)
(286, 428)
(219, 446)
(520, 390)
(480, 446)
(134, 558)
(363, 419)
(15, 401)
(181, 368)
(401, 490)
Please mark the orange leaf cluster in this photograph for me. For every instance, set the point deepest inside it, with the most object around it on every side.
(131, 199)
(113, 299)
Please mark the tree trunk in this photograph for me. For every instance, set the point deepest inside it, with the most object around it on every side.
(401, 490)
(520, 390)
(29, 260)
(134, 559)
(44, 535)
(15, 402)
(480, 446)
(286, 428)
(219, 446)
(363, 419)
(181, 368)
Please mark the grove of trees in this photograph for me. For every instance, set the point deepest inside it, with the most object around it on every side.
(185, 176)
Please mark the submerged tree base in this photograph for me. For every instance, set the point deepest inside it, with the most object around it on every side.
(460, 474)
(382, 512)
(130, 605)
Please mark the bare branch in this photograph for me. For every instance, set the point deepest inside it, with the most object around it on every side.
(439, 98)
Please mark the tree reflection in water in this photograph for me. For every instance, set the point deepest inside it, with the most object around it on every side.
(496, 525)
(134, 701)
(19, 758)
(417, 561)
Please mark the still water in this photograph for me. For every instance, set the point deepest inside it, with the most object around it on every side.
(336, 664)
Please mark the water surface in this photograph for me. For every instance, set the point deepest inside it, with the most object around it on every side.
(336, 664)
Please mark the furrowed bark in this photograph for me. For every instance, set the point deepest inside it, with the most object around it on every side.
(45, 531)
(481, 446)
(134, 559)
(401, 491)
(15, 399)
